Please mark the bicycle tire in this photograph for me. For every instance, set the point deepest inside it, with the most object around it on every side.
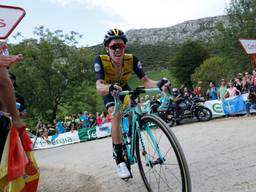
(183, 178)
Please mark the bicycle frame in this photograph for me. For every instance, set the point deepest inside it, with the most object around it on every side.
(136, 127)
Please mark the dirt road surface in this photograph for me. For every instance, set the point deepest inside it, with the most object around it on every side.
(221, 155)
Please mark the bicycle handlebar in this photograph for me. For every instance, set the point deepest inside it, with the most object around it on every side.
(137, 91)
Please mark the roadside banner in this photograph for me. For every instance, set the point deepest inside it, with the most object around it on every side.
(233, 105)
(87, 134)
(216, 107)
(103, 130)
(62, 139)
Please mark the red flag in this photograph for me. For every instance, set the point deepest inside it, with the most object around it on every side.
(23, 173)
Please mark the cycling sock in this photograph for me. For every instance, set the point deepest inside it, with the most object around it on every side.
(118, 150)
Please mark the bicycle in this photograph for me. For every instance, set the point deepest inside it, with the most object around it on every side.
(162, 165)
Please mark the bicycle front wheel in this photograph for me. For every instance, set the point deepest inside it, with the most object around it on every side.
(161, 161)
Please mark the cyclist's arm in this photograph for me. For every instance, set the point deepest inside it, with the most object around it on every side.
(102, 89)
(148, 83)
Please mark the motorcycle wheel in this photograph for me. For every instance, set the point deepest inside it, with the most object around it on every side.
(203, 113)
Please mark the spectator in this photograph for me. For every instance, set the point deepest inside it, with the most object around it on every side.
(98, 120)
(102, 115)
(251, 100)
(254, 77)
(238, 84)
(222, 89)
(198, 89)
(212, 91)
(232, 91)
(246, 82)
(59, 126)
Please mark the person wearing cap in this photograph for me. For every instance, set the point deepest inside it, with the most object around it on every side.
(112, 72)
(222, 90)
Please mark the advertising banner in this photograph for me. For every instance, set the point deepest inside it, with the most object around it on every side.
(232, 105)
(87, 134)
(55, 141)
(103, 130)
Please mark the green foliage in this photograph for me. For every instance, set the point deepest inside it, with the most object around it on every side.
(189, 56)
(212, 69)
(52, 72)
(242, 24)
(153, 57)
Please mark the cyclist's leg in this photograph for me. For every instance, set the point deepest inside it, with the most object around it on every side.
(116, 134)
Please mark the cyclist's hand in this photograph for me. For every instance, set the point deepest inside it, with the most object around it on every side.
(164, 85)
(114, 89)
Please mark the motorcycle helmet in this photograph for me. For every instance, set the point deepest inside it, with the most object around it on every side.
(175, 92)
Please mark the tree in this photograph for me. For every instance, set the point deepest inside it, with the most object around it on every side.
(52, 69)
(189, 56)
(241, 23)
(215, 69)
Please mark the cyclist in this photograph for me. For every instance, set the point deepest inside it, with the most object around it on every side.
(112, 72)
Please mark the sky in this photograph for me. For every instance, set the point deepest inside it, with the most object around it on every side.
(93, 18)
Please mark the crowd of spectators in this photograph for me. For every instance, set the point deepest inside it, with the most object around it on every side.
(227, 88)
(72, 123)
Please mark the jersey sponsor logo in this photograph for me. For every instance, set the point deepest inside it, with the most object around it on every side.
(139, 65)
(119, 82)
(97, 67)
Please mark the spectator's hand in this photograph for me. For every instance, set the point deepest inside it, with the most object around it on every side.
(6, 61)
(114, 89)
(164, 85)
(17, 123)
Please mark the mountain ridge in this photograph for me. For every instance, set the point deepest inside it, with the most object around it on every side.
(202, 29)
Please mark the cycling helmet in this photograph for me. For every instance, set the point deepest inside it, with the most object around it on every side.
(114, 34)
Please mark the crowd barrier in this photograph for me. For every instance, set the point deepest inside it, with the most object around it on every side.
(232, 105)
(84, 134)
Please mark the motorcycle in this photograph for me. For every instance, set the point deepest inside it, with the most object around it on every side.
(181, 107)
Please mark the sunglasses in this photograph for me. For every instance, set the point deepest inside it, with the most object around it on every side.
(117, 46)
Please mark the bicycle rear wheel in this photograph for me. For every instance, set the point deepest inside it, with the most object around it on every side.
(161, 161)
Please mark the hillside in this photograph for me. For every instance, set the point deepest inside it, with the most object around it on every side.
(200, 29)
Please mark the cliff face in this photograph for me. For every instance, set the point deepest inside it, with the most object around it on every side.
(201, 29)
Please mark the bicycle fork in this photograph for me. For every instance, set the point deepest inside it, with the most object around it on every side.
(149, 161)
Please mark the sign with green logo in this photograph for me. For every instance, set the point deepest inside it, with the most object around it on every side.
(217, 108)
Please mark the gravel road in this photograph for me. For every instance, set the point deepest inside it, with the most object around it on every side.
(221, 155)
